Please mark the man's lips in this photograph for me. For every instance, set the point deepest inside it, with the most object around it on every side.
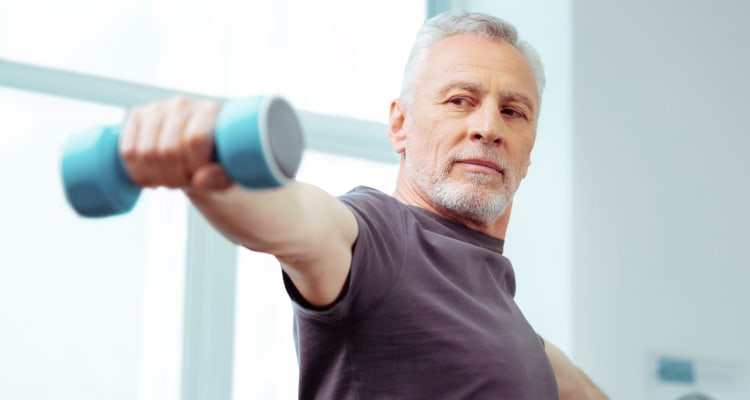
(480, 165)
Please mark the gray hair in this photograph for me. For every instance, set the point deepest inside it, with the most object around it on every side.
(449, 24)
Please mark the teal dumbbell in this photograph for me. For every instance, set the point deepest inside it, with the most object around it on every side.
(258, 142)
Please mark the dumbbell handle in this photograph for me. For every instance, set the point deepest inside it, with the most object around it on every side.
(257, 140)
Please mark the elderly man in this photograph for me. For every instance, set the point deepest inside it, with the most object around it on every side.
(405, 296)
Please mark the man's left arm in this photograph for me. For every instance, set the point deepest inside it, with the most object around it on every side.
(572, 383)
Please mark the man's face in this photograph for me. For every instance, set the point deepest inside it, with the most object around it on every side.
(470, 127)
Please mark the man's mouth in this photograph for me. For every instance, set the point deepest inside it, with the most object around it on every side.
(481, 166)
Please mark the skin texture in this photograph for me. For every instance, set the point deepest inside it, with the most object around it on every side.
(465, 141)
(468, 133)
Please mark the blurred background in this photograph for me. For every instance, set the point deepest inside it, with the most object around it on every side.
(629, 237)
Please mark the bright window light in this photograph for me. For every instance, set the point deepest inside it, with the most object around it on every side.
(336, 57)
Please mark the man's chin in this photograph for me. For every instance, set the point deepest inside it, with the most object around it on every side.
(475, 178)
(486, 188)
(477, 201)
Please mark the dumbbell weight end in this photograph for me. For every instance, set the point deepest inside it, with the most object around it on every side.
(94, 177)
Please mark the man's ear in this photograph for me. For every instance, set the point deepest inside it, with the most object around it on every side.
(396, 133)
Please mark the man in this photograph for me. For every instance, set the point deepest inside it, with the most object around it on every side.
(405, 296)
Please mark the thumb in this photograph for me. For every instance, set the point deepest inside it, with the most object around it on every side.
(210, 177)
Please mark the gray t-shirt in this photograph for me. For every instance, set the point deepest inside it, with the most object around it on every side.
(427, 313)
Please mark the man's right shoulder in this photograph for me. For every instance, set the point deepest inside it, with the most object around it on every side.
(365, 200)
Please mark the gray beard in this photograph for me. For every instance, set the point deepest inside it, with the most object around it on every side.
(467, 200)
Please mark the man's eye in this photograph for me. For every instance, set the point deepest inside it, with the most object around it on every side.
(512, 112)
(459, 101)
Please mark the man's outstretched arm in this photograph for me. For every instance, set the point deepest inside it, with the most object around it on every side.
(169, 144)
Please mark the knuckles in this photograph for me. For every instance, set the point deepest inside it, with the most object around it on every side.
(169, 154)
(179, 101)
(162, 140)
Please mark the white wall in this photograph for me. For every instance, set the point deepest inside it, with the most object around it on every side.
(661, 193)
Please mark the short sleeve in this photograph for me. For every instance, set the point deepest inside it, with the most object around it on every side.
(377, 258)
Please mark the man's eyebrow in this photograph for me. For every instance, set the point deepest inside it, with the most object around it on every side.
(464, 85)
(508, 95)
(473, 87)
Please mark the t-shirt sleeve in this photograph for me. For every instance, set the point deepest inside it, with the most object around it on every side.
(377, 258)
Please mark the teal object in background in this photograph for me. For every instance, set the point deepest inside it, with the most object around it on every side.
(676, 370)
(258, 142)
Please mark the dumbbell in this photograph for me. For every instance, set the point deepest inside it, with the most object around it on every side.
(257, 140)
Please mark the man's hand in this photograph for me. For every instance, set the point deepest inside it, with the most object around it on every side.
(169, 143)
(572, 383)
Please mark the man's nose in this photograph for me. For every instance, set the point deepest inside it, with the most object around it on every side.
(486, 125)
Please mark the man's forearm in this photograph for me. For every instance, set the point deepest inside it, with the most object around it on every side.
(261, 221)
(309, 231)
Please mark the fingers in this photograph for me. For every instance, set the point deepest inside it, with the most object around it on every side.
(129, 146)
(198, 137)
(147, 146)
(165, 143)
(170, 152)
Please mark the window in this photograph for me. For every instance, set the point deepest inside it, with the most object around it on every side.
(102, 299)
(90, 309)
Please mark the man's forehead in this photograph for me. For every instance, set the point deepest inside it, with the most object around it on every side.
(475, 62)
